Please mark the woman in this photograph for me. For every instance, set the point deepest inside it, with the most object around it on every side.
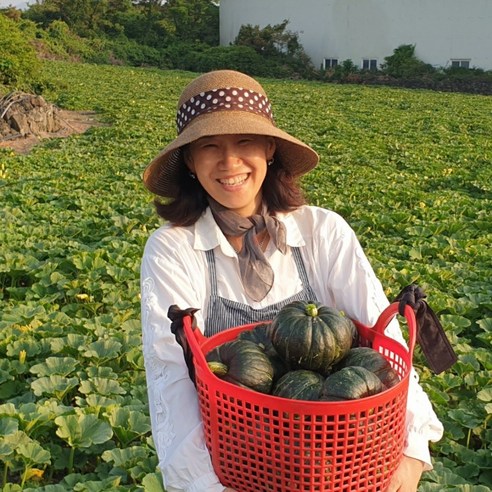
(239, 244)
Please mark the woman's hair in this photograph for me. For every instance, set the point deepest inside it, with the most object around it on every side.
(281, 193)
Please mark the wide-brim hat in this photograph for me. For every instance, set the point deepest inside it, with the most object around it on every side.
(224, 102)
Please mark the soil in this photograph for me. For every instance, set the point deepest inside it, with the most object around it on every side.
(27, 119)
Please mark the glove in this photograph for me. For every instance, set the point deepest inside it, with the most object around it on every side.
(430, 334)
(176, 315)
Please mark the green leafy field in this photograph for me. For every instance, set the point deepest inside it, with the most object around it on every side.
(410, 170)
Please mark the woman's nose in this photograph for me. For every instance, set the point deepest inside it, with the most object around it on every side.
(230, 157)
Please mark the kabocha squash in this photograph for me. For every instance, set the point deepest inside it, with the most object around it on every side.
(244, 363)
(299, 385)
(373, 361)
(261, 335)
(306, 353)
(351, 383)
(311, 336)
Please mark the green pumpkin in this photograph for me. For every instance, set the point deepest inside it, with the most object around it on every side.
(311, 336)
(261, 335)
(244, 363)
(351, 383)
(299, 385)
(373, 361)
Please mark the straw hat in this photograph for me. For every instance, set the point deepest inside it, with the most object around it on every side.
(223, 102)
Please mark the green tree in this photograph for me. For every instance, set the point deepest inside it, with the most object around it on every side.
(404, 63)
(84, 17)
(156, 23)
(144, 23)
(277, 44)
(193, 20)
(271, 40)
(19, 65)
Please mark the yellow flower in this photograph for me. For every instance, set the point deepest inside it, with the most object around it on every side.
(22, 356)
(34, 474)
(3, 171)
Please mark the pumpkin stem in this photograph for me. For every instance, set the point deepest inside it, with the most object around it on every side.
(218, 368)
(311, 310)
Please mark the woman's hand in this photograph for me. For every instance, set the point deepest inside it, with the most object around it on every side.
(407, 476)
(228, 489)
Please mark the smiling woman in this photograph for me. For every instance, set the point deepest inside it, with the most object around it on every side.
(232, 168)
(240, 243)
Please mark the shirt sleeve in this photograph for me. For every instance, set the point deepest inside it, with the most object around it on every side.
(166, 279)
(355, 289)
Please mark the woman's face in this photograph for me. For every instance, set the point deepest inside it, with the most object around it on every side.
(232, 168)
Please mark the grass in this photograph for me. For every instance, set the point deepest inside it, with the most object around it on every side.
(410, 170)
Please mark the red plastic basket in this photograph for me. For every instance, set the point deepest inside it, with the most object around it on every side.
(263, 443)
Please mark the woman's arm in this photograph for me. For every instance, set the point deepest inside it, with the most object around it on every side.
(166, 278)
(354, 288)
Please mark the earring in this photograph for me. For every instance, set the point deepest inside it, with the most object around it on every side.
(192, 176)
(270, 161)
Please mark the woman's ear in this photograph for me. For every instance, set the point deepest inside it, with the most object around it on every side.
(271, 148)
(188, 160)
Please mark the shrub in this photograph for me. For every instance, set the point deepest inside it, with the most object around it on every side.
(242, 58)
(404, 63)
(343, 72)
(19, 65)
(199, 57)
(130, 52)
(63, 39)
(465, 74)
(280, 47)
(182, 55)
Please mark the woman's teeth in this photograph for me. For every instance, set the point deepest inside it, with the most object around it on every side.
(236, 180)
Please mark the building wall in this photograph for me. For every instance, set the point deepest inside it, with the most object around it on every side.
(441, 30)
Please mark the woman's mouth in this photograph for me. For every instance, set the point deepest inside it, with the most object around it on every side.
(234, 180)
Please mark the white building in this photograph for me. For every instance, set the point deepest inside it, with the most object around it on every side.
(444, 32)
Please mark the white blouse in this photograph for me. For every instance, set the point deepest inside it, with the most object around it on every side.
(175, 271)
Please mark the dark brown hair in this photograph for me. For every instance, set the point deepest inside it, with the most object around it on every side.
(281, 193)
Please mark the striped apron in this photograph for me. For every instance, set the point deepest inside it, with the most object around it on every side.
(223, 313)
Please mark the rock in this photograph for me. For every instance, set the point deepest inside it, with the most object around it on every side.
(27, 119)
(28, 114)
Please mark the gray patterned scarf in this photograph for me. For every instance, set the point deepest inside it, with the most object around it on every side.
(256, 272)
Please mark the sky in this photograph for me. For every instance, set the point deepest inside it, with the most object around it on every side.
(15, 3)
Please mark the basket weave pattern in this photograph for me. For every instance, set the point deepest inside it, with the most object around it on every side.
(262, 443)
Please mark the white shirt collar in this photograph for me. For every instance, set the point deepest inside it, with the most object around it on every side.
(208, 234)
(294, 237)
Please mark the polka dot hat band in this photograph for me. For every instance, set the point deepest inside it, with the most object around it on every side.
(229, 98)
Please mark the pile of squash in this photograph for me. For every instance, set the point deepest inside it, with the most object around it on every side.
(308, 352)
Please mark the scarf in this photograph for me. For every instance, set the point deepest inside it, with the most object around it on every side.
(256, 272)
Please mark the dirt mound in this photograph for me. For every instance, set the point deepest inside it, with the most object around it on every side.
(26, 119)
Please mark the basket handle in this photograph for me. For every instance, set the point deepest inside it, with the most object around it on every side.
(387, 316)
(195, 339)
